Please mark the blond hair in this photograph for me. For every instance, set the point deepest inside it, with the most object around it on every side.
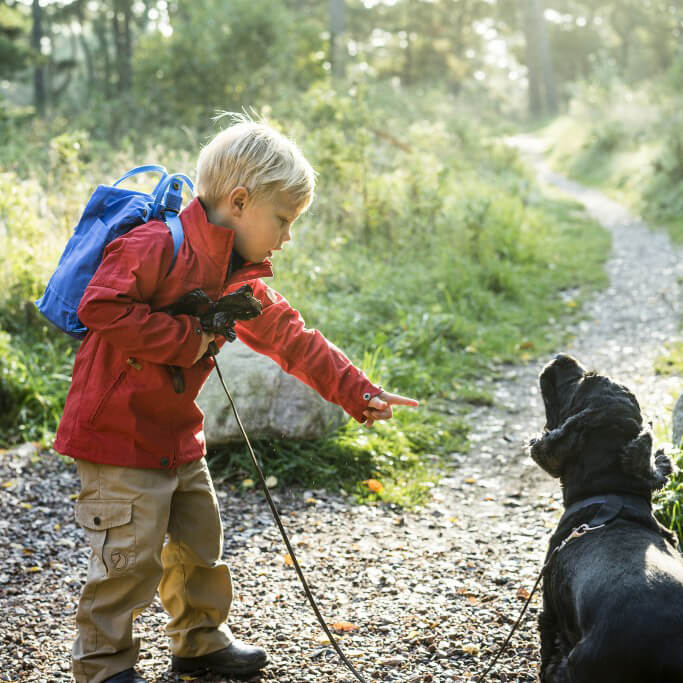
(256, 156)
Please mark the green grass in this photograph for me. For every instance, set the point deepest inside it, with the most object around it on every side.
(674, 228)
(671, 362)
(604, 158)
(404, 456)
(669, 503)
(35, 373)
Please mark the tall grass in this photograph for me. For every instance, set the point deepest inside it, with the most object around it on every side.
(669, 504)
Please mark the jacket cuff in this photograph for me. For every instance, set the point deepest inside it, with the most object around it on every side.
(366, 391)
(191, 347)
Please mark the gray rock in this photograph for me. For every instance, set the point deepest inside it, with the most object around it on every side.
(677, 434)
(270, 402)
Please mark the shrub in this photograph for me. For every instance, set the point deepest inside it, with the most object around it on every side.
(35, 372)
(669, 503)
(663, 193)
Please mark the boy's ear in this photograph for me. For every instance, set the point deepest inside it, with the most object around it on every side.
(237, 199)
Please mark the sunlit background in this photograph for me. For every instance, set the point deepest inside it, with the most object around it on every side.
(526, 55)
(430, 254)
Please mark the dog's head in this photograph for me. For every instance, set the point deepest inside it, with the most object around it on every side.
(594, 434)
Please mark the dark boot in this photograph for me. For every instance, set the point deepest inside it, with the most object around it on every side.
(127, 676)
(238, 658)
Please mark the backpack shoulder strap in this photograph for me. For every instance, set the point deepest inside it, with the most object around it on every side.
(167, 200)
(175, 226)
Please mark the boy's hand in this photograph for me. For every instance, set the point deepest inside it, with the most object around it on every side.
(207, 338)
(380, 407)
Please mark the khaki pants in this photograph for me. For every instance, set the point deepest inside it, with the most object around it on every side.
(126, 513)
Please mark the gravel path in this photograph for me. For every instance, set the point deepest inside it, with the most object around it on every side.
(433, 591)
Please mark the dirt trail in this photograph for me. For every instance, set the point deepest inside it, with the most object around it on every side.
(625, 328)
(433, 591)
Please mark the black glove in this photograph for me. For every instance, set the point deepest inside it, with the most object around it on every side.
(218, 317)
(221, 316)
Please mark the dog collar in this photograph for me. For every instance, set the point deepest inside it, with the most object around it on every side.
(611, 505)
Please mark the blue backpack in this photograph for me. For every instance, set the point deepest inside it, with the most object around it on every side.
(110, 213)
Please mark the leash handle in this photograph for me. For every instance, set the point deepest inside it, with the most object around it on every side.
(283, 533)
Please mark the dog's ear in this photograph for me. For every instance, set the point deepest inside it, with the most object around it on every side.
(636, 459)
(552, 449)
(664, 468)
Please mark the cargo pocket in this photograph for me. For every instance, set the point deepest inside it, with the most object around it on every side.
(111, 532)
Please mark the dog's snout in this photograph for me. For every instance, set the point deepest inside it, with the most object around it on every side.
(558, 383)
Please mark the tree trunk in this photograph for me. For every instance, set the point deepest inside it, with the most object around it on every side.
(127, 44)
(621, 24)
(57, 92)
(337, 27)
(533, 58)
(122, 43)
(407, 76)
(116, 36)
(85, 49)
(546, 60)
(101, 31)
(460, 22)
(39, 90)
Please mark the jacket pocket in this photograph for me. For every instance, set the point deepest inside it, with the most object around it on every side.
(106, 396)
(110, 528)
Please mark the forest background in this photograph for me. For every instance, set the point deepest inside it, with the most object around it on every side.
(430, 255)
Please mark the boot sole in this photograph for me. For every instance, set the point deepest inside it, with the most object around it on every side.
(193, 667)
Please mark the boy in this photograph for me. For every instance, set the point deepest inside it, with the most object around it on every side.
(139, 446)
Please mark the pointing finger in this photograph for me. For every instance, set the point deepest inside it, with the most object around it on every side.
(398, 400)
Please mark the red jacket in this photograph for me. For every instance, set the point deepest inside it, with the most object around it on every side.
(120, 413)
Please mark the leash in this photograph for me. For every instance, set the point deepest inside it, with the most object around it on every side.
(611, 506)
(577, 532)
(278, 521)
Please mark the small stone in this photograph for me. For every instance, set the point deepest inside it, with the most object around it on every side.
(397, 660)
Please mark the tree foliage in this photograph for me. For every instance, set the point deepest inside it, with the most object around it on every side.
(186, 58)
(14, 53)
(252, 50)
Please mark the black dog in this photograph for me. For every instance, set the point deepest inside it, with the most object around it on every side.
(613, 596)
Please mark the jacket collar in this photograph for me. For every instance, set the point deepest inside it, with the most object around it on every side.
(216, 242)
